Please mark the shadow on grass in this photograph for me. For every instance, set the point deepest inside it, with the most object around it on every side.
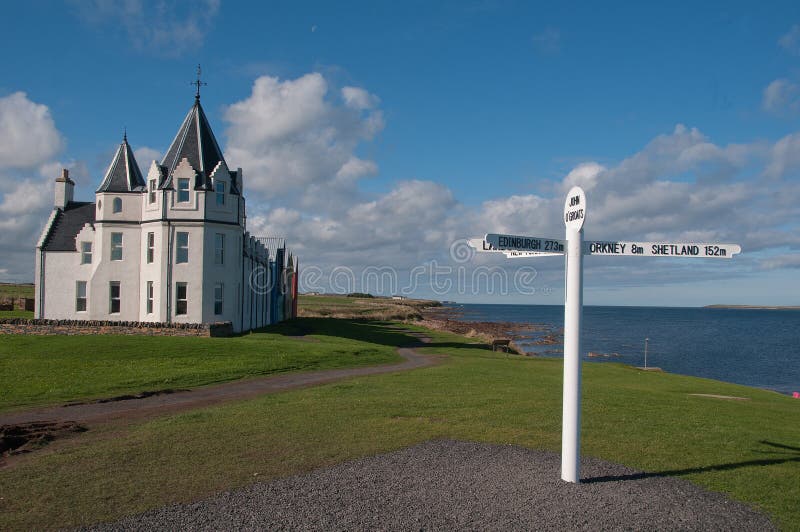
(374, 331)
(794, 453)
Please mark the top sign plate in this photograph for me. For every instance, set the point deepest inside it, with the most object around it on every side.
(524, 243)
(575, 209)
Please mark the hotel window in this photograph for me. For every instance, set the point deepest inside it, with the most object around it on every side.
(86, 252)
(80, 296)
(117, 205)
(219, 188)
(116, 246)
(152, 195)
(181, 302)
(150, 294)
(218, 298)
(183, 190)
(219, 248)
(151, 246)
(113, 297)
(182, 252)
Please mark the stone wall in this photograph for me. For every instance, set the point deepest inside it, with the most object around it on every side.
(74, 327)
(19, 303)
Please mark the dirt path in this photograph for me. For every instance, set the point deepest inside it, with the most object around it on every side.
(181, 400)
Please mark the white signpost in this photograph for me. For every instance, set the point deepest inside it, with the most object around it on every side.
(574, 248)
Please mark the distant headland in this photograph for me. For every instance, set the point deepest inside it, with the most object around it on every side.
(758, 307)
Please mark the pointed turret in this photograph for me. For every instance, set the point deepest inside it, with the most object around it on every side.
(196, 143)
(123, 175)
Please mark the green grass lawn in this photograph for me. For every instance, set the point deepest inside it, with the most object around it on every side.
(36, 370)
(748, 449)
(16, 314)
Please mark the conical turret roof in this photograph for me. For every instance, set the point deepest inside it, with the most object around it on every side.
(123, 175)
(196, 143)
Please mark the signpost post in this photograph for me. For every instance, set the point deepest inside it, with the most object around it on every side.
(574, 248)
(574, 216)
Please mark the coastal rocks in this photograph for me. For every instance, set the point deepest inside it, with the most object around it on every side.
(486, 331)
(549, 339)
(594, 354)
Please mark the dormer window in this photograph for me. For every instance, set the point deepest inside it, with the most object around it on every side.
(117, 205)
(183, 191)
(152, 194)
(219, 188)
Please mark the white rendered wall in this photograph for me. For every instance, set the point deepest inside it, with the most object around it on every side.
(60, 273)
(190, 272)
(126, 271)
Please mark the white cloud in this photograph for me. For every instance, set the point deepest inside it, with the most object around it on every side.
(29, 141)
(23, 211)
(144, 156)
(24, 197)
(28, 135)
(782, 261)
(164, 28)
(791, 40)
(781, 96)
(784, 156)
(413, 221)
(585, 175)
(291, 135)
(358, 98)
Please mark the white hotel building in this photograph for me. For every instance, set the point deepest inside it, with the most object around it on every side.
(168, 247)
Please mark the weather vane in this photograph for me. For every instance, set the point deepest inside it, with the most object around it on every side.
(198, 83)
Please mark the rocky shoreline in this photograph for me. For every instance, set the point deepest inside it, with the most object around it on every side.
(445, 319)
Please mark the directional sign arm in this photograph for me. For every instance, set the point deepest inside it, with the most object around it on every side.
(483, 246)
(661, 249)
(525, 243)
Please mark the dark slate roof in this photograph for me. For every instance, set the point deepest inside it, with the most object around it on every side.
(123, 175)
(67, 224)
(196, 142)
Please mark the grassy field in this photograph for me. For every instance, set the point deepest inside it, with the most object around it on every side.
(16, 314)
(748, 449)
(37, 370)
(379, 308)
(16, 290)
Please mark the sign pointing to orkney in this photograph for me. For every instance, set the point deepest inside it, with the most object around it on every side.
(662, 249)
(574, 248)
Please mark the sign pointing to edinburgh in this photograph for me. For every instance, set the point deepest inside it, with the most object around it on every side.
(482, 245)
(501, 242)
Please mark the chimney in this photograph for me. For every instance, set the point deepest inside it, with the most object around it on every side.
(64, 189)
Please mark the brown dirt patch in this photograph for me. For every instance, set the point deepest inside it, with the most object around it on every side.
(127, 397)
(23, 438)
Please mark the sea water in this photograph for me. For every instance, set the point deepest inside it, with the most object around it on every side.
(755, 347)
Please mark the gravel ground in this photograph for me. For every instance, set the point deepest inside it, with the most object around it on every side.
(445, 485)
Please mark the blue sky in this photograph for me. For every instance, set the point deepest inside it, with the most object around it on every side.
(375, 134)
